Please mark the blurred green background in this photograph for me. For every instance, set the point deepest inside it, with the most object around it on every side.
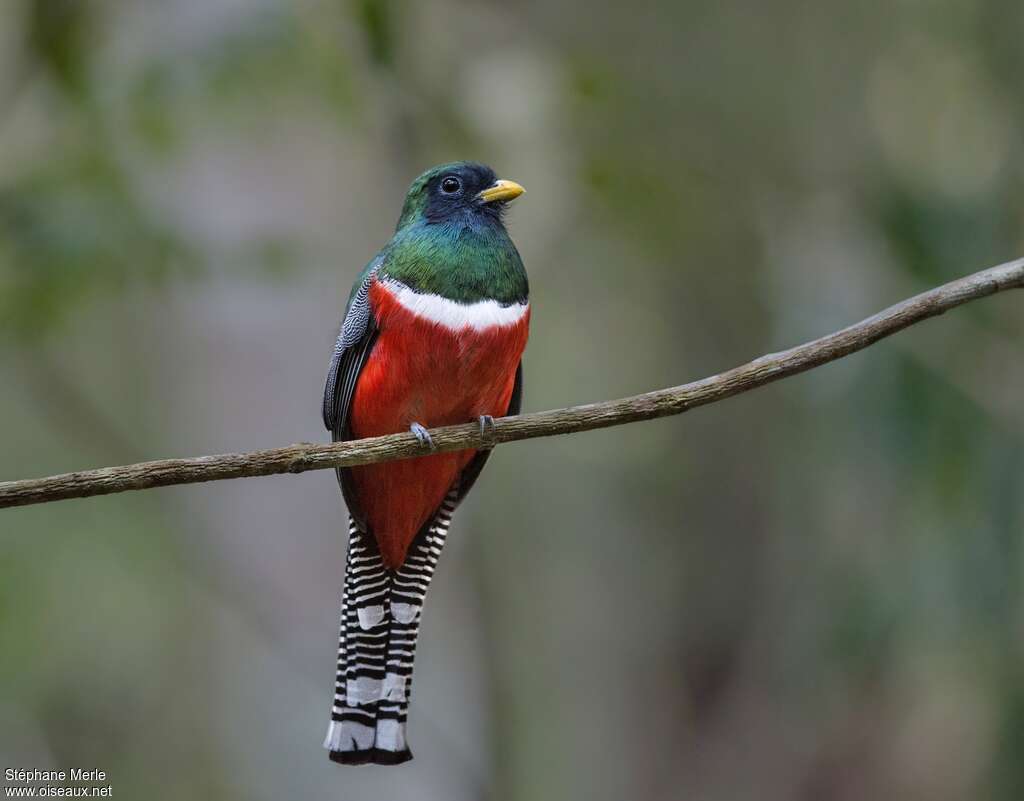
(808, 592)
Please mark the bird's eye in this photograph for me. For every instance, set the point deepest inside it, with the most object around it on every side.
(450, 185)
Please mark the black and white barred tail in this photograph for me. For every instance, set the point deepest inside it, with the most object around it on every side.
(380, 620)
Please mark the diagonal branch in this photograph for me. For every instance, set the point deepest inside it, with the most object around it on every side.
(660, 403)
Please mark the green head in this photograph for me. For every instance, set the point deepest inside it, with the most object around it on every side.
(451, 240)
(460, 192)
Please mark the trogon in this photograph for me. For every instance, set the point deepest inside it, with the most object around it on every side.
(433, 335)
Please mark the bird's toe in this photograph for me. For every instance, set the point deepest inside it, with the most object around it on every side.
(422, 435)
(487, 429)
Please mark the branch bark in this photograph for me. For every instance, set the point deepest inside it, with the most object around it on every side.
(648, 406)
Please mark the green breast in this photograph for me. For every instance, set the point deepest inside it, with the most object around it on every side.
(461, 262)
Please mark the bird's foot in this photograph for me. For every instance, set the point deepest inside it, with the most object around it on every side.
(487, 429)
(422, 435)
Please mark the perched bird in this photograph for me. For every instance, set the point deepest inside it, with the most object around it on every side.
(433, 335)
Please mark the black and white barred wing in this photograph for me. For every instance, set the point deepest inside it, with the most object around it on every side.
(351, 351)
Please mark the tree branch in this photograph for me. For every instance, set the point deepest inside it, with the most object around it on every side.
(660, 403)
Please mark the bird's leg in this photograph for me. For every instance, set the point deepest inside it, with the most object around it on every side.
(487, 429)
(422, 435)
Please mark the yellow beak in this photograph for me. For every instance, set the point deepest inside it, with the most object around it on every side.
(502, 190)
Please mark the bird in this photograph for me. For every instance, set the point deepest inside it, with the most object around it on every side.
(433, 334)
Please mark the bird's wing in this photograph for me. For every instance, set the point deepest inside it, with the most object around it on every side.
(355, 339)
(352, 349)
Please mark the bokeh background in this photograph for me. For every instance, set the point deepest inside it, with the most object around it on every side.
(808, 592)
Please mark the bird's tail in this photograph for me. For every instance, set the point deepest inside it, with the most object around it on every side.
(380, 621)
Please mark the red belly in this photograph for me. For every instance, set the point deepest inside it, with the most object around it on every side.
(421, 372)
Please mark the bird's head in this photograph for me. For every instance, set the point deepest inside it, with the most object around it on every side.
(462, 191)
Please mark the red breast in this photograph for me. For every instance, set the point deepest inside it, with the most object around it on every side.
(428, 372)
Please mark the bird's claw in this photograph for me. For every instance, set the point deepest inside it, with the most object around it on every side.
(422, 435)
(487, 429)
